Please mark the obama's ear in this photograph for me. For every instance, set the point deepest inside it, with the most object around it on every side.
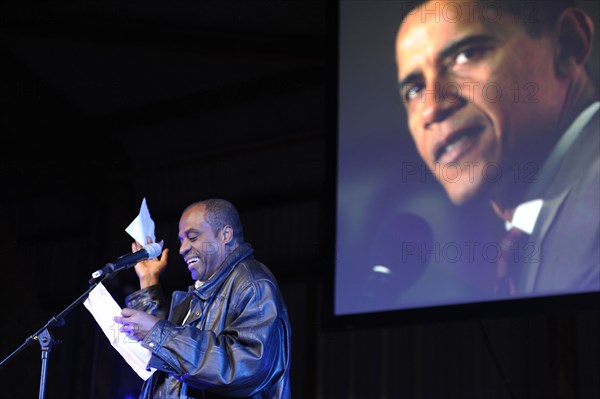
(574, 32)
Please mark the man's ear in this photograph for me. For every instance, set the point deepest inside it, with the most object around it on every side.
(227, 234)
(574, 36)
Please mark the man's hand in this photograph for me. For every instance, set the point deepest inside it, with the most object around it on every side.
(135, 323)
(149, 270)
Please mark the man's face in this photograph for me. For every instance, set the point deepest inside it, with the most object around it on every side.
(201, 247)
(480, 94)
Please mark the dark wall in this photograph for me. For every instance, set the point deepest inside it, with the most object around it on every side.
(104, 105)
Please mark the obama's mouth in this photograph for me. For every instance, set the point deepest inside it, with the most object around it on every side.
(456, 144)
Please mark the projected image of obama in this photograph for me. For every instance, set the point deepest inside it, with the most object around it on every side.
(501, 108)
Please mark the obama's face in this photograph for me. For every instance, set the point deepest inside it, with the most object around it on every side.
(480, 94)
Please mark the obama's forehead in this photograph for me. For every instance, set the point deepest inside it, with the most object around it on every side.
(432, 30)
(491, 11)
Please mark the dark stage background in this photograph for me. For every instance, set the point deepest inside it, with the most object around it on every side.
(104, 103)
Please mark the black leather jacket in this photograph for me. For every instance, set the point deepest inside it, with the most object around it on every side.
(236, 342)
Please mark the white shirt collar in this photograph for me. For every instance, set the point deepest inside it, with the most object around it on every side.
(526, 214)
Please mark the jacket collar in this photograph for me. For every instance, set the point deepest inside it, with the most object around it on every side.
(208, 289)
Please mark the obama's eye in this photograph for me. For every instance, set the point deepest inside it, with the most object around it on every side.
(411, 91)
(471, 54)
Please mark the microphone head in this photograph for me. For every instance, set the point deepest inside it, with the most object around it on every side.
(153, 250)
(397, 257)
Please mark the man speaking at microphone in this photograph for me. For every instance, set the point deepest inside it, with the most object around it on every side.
(229, 334)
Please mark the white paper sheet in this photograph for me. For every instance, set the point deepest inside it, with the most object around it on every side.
(142, 226)
(103, 307)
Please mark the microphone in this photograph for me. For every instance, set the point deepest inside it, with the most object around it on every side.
(149, 251)
(397, 257)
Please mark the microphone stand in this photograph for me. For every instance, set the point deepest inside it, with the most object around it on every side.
(44, 335)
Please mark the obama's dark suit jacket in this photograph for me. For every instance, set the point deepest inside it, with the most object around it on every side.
(566, 237)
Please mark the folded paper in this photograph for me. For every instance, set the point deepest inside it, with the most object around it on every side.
(103, 307)
(142, 226)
